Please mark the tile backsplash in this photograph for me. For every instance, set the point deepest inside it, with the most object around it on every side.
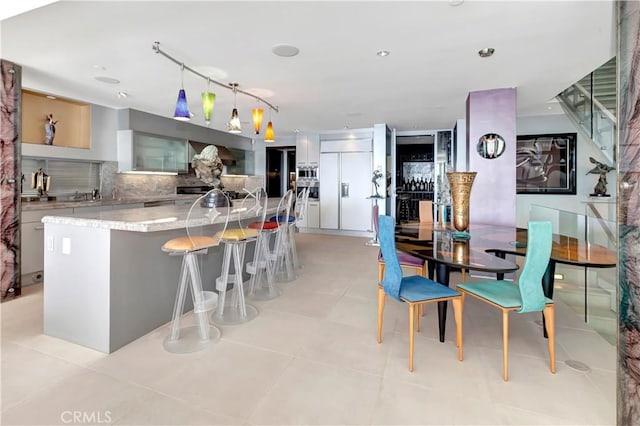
(138, 185)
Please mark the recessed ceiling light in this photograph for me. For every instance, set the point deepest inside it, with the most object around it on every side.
(285, 50)
(108, 80)
(123, 95)
(383, 53)
(51, 97)
(486, 52)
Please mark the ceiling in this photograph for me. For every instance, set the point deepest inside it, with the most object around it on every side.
(336, 80)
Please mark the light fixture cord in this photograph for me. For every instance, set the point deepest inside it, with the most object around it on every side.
(182, 76)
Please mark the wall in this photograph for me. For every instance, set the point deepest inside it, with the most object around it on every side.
(492, 111)
(584, 183)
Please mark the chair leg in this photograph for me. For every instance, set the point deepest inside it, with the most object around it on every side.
(505, 345)
(380, 271)
(464, 275)
(457, 312)
(412, 315)
(549, 318)
(381, 297)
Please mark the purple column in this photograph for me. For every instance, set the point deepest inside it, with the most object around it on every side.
(492, 111)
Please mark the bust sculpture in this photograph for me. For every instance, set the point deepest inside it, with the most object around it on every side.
(208, 166)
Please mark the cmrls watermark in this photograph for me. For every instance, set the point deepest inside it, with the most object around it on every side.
(79, 417)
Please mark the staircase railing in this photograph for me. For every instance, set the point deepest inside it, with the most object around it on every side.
(591, 118)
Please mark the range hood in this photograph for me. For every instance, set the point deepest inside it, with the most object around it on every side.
(225, 155)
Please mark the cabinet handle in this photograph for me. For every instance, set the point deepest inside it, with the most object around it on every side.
(38, 228)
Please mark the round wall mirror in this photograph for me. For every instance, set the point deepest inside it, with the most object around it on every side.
(491, 145)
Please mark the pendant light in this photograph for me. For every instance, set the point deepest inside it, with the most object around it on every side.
(208, 99)
(257, 119)
(234, 123)
(182, 107)
(268, 135)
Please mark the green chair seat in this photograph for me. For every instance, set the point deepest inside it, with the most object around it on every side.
(502, 293)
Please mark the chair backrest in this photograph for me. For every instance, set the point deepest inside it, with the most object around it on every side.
(539, 241)
(284, 208)
(255, 201)
(197, 213)
(425, 211)
(392, 271)
(301, 204)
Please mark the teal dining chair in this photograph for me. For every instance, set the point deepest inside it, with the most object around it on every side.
(413, 290)
(525, 296)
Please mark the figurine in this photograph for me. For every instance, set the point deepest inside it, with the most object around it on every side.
(601, 169)
(377, 174)
(49, 130)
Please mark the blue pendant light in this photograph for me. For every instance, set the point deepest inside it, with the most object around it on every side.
(182, 107)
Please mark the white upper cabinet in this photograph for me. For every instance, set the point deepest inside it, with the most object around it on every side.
(307, 149)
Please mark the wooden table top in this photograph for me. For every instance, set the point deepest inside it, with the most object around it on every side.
(433, 243)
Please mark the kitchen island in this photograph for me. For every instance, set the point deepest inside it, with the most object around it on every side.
(107, 281)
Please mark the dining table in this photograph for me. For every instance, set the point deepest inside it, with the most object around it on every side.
(486, 249)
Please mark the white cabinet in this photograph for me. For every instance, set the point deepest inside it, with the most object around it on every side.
(307, 149)
(311, 217)
(32, 243)
(151, 153)
(313, 214)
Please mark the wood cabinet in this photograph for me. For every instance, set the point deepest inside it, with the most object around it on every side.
(73, 120)
(138, 151)
(307, 149)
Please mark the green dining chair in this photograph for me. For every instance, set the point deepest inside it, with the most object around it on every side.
(414, 290)
(526, 295)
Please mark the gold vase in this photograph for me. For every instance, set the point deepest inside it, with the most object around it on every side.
(460, 184)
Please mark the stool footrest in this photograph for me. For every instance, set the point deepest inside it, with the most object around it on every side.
(208, 302)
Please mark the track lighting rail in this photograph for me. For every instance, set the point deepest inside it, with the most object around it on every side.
(231, 86)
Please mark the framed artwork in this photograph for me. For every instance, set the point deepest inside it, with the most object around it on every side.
(546, 164)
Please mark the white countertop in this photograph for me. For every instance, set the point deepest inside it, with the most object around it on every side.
(152, 219)
(60, 204)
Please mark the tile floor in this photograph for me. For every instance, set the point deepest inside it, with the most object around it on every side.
(311, 357)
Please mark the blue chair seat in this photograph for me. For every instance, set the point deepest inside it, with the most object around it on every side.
(502, 293)
(282, 219)
(418, 289)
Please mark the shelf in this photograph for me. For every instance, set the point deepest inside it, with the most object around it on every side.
(73, 127)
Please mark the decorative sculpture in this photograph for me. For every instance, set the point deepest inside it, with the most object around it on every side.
(208, 166)
(377, 175)
(49, 130)
(461, 183)
(601, 169)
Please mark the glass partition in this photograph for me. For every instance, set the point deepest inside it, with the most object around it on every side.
(590, 292)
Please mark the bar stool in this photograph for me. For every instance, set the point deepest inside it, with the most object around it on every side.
(283, 254)
(235, 241)
(261, 268)
(403, 210)
(198, 337)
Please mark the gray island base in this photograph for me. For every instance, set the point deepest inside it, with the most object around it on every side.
(107, 281)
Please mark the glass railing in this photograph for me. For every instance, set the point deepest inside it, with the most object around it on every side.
(594, 120)
(590, 292)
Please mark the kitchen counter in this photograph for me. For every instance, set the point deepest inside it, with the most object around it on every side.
(107, 281)
(151, 219)
(62, 204)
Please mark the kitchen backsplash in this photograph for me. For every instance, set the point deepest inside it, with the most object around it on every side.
(138, 185)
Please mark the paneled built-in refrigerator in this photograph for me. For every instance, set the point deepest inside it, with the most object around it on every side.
(345, 179)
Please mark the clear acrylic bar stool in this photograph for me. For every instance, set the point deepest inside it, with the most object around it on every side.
(283, 255)
(235, 240)
(198, 337)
